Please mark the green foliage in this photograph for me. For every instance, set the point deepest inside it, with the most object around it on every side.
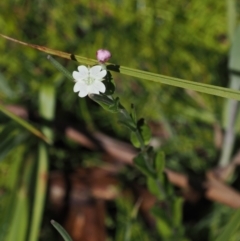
(145, 133)
(182, 39)
(61, 230)
(230, 230)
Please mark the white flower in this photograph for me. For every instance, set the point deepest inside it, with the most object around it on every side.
(89, 80)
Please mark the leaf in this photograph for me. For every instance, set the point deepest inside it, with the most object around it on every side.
(58, 66)
(106, 102)
(47, 111)
(234, 62)
(164, 225)
(127, 119)
(9, 186)
(25, 124)
(5, 88)
(141, 164)
(159, 162)
(231, 112)
(10, 143)
(177, 211)
(40, 193)
(232, 226)
(161, 79)
(47, 106)
(61, 230)
(145, 133)
(232, 16)
(19, 224)
(109, 83)
(153, 187)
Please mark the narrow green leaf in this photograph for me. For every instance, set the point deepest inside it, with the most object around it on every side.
(47, 111)
(10, 143)
(234, 61)
(18, 228)
(107, 103)
(9, 185)
(40, 193)
(5, 88)
(25, 124)
(161, 79)
(164, 225)
(145, 133)
(232, 111)
(61, 230)
(152, 186)
(47, 106)
(159, 162)
(231, 17)
(177, 211)
(109, 83)
(141, 164)
(232, 226)
(58, 66)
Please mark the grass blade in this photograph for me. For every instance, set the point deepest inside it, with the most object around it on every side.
(24, 124)
(47, 106)
(40, 193)
(232, 111)
(161, 79)
(61, 230)
(47, 110)
(231, 17)
(231, 227)
(18, 228)
(9, 183)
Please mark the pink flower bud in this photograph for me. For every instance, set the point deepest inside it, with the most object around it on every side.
(103, 55)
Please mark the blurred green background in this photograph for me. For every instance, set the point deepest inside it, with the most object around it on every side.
(184, 39)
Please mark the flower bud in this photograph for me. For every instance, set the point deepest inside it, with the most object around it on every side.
(103, 55)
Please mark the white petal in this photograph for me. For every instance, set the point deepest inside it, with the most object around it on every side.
(79, 85)
(76, 75)
(83, 92)
(83, 72)
(97, 72)
(95, 69)
(99, 86)
(101, 74)
(92, 89)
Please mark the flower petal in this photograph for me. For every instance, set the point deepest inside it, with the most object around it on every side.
(92, 89)
(101, 74)
(83, 92)
(76, 75)
(96, 72)
(83, 71)
(95, 69)
(79, 85)
(99, 86)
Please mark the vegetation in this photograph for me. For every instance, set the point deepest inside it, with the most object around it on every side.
(67, 159)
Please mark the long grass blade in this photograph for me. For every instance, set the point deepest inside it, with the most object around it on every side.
(186, 84)
(61, 230)
(9, 185)
(47, 111)
(18, 228)
(24, 124)
(232, 111)
(40, 193)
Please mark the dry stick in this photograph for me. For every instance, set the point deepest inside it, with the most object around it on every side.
(215, 189)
